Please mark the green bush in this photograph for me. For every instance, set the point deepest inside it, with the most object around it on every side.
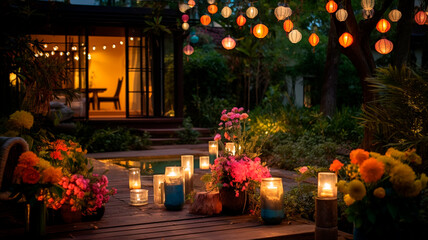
(188, 135)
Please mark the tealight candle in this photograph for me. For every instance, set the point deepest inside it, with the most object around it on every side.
(158, 189)
(326, 206)
(213, 151)
(174, 189)
(204, 162)
(230, 148)
(187, 163)
(139, 197)
(134, 178)
(272, 199)
(327, 185)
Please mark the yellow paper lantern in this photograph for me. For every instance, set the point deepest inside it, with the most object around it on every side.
(191, 3)
(205, 20)
(314, 39)
(212, 9)
(331, 6)
(394, 15)
(367, 4)
(183, 7)
(211, 1)
(226, 12)
(346, 40)
(383, 26)
(341, 15)
(241, 20)
(228, 43)
(188, 50)
(185, 26)
(295, 36)
(252, 12)
(288, 25)
(384, 46)
(282, 12)
(260, 30)
(420, 17)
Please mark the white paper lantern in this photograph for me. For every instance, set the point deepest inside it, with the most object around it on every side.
(341, 15)
(295, 36)
(367, 4)
(185, 26)
(394, 15)
(211, 1)
(226, 12)
(183, 7)
(251, 12)
(367, 14)
(282, 12)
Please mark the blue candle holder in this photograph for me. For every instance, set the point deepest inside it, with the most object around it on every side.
(272, 199)
(213, 157)
(174, 188)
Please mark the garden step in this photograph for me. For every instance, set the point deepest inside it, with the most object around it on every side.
(174, 140)
(172, 132)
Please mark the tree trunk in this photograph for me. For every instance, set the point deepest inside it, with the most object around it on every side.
(329, 87)
(404, 30)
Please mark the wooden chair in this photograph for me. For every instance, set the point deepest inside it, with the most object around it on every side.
(10, 150)
(115, 98)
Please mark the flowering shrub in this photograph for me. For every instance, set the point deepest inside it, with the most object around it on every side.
(240, 173)
(380, 190)
(21, 119)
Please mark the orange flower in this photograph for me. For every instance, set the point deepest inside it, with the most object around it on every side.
(336, 165)
(30, 176)
(371, 170)
(28, 159)
(52, 175)
(358, 156)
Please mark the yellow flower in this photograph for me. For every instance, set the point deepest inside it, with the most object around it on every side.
(424, 180)
(348, 200)
(43, 164)
(411, 156)
(392, 152)
(371, 170)
(342, 186)
(402, 178)
(52, 175)
(414, 190)
(22, 119)
(357, 190)
(379, 192)
(375, 155)
(388, 162)
(352, 171)
(11, 133)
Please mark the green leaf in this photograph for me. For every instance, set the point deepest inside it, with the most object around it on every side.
(358, 222)
(392, 209)
(371, 216)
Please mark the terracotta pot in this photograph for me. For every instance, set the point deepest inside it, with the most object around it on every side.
(96, 216)
(69, 216)
(231, 204)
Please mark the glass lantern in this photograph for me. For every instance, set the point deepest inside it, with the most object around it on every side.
(174, 188)
(327, 185)
(134, 178)
(272, 200)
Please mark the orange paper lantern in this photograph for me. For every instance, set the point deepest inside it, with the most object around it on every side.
(288, 25)
(383, 26)
(331, 6)
(314, 39)
(228, 43)
(241, 20)
(346, 40)
(384, 46)
(212, 9)
(188, 50)
(205, 20)
(260, 30)
(420, 17)
(191, 3)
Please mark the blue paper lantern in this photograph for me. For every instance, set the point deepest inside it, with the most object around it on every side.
(194, 39)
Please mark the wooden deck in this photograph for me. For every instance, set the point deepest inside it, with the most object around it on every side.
(122, 221)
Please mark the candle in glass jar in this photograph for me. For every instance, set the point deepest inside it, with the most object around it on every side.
(158, 189)
(139, 197)
(204, 162)
(187, 162)
(327, 185)
(134, 178)
(230, 148)
(213, 151)
(174, 189)
(272, 199)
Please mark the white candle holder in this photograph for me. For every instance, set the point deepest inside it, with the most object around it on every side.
(139, 197)
(204, 162)
(327, 185)
(213, 150)
(134, 178)
(187, 163)
(158, 189)
(230, 148)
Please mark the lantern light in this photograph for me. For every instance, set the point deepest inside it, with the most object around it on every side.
(212, 9)
(139, 197)
(191, 3)
(384, 46)
(241, 20)
(288, 25)
(420, 17)
(295, 36)
(134, 178)
(271, 199)
(341, 15)
(346, 39)
(187, 163)
(260, 30)
(211, 1)
(204, 162)
(282, 12)
(327, 185)
(183, 7)
(331, 6)
(55, 48)
(205, 20)
(213, 145)
(226, 12)
(188, 50)
(185, 26)
(252, 12)
(367, 14)
(314, 39)
(229, 44)
(185, 18)
(174, 188)
(383, 26)
(367, 4)
(159, 188)
(394, 15)
(194, 39)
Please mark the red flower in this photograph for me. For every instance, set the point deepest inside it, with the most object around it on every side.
(30, 176)
(336, 166)
(57, 155)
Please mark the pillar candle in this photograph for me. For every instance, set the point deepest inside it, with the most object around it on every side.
(174, 189)
(158, 189)
(272, 200)
(187, 163)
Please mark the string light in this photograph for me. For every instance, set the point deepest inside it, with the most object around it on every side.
(121, 42)
(113, 46)
(55, 48)
(93, 48)
(104, 47)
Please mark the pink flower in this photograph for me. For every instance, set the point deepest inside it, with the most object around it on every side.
(243, 116)
(224, 117)
(237, 194)
(220, 124)
(234, 109)
(302, 170)
(237, 116)
(228, 124)
(240, 109)
(68, 192)
(217, 137)
(80, 195)
(223, 112)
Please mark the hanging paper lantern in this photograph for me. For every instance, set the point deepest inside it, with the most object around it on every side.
(183, 7)
(331, 6)
(288, 25)
(194, 39)
(383, 26)
(188, 50)
(367, 4)
(394, 15)
(191, 3)
(241, 20)
(211, 1)
(212, 9)
(228, 43)
(367, 14)
(252, 12)
(226, 12)
(420, 17)
(346, 40)
(260, 30)
(341, 15)
(295, 36)
(185, 18)
(185, 26)
(205, 20)
(314, 39)
(384, 46)
(282, 12)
